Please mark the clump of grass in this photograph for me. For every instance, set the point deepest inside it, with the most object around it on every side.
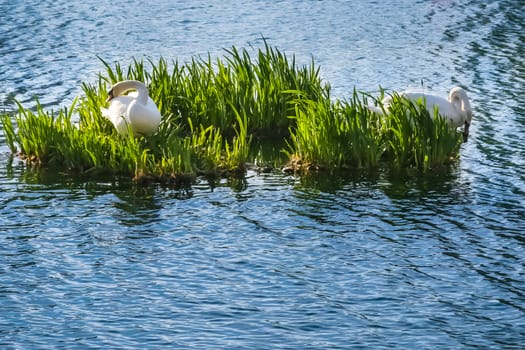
(212, 108)
(51, 138)
(211, 92)
(415, 138)
(217, 155)
(346, 134)
(338, 134)
(92, 145)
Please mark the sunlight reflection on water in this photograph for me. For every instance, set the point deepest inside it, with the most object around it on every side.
(378, 260)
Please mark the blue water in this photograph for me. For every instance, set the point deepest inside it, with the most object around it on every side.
(271, 261)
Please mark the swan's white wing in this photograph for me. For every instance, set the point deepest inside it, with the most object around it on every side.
(117, 113)
(375, 109)
(446, 109)
(145, 118)
(126, 110)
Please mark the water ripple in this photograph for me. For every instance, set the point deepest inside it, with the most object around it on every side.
(367, 261)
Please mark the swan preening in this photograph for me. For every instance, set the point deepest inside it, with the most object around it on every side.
(456, 109)
(135, 110)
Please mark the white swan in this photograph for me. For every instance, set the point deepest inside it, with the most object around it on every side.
(456, 109)
(135, 109)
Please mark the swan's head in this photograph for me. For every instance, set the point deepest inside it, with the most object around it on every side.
(111, 95)
(458, 97)
(121, 87)
(468, 120)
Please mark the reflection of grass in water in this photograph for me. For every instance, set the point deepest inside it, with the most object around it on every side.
(217, 113)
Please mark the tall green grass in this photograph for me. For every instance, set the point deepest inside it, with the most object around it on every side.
(344, 134)
(91, 145)
(211, 92)
(338, 134)
(416, 138)
(212, 108)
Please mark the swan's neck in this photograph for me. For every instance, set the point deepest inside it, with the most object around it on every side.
(121, 87)
(459, 99)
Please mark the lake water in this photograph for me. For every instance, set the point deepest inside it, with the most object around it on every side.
(381, 261)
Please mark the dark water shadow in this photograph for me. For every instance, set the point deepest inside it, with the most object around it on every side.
(136, 205)
(407, 184)
(394, 183)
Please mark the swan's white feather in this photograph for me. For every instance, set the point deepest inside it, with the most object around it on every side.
(445, 108)
(125, 111)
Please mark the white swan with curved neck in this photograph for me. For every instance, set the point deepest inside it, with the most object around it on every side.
(136, 109)
(456, 109)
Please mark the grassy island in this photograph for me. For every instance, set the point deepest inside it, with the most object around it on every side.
(212, 111)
